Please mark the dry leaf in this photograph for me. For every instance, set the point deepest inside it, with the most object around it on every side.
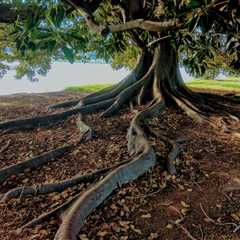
(153, 236)
(146, 215)
(83, 237)
(102, 234)
(124, 238)
(184, 211)
(138, 231)
(185, 205)
(236, 216)
(169, 226)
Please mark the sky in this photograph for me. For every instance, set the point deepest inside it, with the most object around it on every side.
(64, 74)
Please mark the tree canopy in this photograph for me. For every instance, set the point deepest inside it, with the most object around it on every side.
(35, 33)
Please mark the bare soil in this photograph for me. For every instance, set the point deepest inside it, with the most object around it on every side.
(201, 202)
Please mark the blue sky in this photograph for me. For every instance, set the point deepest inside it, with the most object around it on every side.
(64, 74)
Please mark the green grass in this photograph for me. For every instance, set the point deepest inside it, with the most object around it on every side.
(232, 84)
(88, 88)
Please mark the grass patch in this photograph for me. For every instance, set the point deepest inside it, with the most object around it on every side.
(232, 84)
(88, 88)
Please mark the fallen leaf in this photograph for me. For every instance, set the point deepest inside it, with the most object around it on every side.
(236, 216)
(102, 234)
(124, 238)
(169, 226)
(184, 204)
(153, 236)
(146, 215)
(83, 237)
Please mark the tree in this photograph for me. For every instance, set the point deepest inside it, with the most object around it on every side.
(162, 33)
(30, 64)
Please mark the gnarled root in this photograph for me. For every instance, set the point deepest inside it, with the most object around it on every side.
(57, 187)
(95, 195)
(33, 163)
(66, 104)
(89, 104)
(29, 123)
(86, 131)
(175, 151)
(123, 98)
(113, 91)
(130, 91)
(46, 216)
(138, 72)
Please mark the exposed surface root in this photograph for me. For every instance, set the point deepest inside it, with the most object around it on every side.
(29, 123)
(112, 92)
(75, 217)
(5, 147)
(46, 216)
(56, 187)
(123, 98)
(95, 195)
(176, 149)
(116, 211)
(86, 131)
(129, 92)
(32, 163)
(67, 104)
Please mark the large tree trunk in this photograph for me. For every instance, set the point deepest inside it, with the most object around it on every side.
(170, 87)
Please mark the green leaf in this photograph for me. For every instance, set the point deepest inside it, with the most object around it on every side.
(69, 54)
(194, 4)
(51, 45)
(40, 35)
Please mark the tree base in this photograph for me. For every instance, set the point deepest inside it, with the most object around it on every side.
(159, 86)
(137, 142)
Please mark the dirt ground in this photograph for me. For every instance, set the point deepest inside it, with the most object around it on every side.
(202, 202)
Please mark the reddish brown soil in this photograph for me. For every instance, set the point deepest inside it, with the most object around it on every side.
(145, 209)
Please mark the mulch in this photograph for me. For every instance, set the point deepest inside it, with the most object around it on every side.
(156, 206)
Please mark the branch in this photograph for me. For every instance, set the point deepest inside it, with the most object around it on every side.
(144, 25)
(8, 14)
(138, 23)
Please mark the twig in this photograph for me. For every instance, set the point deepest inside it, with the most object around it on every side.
(236, 227)
(200, 229)
(157, 40)
(5, 147)
(188, 234)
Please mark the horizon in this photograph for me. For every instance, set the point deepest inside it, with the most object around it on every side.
(63, 75)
